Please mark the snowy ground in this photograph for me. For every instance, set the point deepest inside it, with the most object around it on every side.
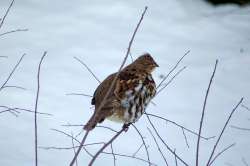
(98, 33)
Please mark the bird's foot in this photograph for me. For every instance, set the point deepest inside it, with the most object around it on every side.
(126, 126)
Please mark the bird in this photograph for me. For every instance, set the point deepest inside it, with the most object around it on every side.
(128, 98)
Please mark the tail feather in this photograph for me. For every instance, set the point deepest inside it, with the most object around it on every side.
(93, 122)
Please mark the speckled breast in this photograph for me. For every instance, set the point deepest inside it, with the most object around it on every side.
(136, 100)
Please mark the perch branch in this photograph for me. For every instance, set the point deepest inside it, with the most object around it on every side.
(104, 146)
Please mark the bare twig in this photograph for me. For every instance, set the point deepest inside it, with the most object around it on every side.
(13, 31)
(128, 156)
(99, 126)
(6, 13)
(112, 151)
(216, 156)
(108, 153)
(73, 145)
(176, 65)
(240, 128)
(86, 66)
(104, 146)
(13, 70)
(79, 94)
(69, 148)
(185, 137)
(175, 159)
(134, 154)
(166, 145)
(158, 147)
(21, 109)
(131, 57)
(113, 82)
(36, 105)
(75, 140)
(165, 85)
(17, 87)
(222, 131)
(244, 161)
(203, 113)
(79, 149)
(247, 108)
(3, 56)
(145, 146)
(180, 126)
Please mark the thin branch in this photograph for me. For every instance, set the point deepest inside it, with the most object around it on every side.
(73, 145)
(22, 109)
(79, 149)
(175, 159)
(12, 111)
(180, 126)
(6, 13)
(86, 66)
(185, 137)
(165, 85)
(75, 140)
(13, 31)
(69, 148)
(244, 161)
(99, 126)
(247, 108)
(158, 147)
(79, 94)
(112, 151)
(104, 146)
(113, 82)
(203, 113)
(146, 149)
(3, 56)
(240, 128)
(216, 156)
(17, 87)
(221, 133)
(133, 157)
(36, 105)
(131, 57)
(134, 154)
(176, 65)
(169, 149)
(108, 153)
(13, 70)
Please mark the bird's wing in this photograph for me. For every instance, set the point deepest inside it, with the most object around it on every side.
(102, 89)
(127, 83)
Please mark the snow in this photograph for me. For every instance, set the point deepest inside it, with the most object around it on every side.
(98, 33)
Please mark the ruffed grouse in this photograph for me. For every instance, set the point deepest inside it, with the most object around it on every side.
(129, 97)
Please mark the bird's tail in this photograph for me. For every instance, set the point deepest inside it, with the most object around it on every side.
(93, 122)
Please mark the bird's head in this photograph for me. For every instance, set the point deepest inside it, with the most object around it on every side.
(146, 62)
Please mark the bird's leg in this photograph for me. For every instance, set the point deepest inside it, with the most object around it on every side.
(125, 126)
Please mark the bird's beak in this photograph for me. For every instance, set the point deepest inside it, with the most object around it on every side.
(156, 65)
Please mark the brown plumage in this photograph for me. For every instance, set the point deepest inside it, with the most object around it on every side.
(129, 97)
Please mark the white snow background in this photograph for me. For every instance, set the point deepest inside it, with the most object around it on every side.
(98, 33)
